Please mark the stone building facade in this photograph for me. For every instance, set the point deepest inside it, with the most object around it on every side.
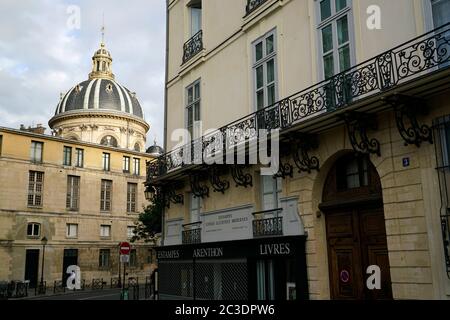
(363, 126)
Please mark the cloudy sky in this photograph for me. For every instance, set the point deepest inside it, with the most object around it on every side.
(44, 53)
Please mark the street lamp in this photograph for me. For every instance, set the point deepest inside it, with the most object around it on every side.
(44, 241)
(149, 193)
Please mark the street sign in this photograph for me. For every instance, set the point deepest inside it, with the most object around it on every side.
(124, 258)
(124, 248)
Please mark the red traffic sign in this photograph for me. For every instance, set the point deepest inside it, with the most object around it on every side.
(124, 248)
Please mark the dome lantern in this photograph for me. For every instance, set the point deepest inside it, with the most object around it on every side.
(101, 64)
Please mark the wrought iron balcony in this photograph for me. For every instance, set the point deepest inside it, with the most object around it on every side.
(252, 5)
(191, 234)
(417, 58)
(263, 227)
(193, 46)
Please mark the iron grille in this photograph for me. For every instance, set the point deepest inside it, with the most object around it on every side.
(191, 236)
(252, 5)
(193, 46)
(268, 227)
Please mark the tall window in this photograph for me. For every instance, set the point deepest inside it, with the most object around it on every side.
(104, 256)
(334, 33)
(126, 164)
(36, 151)
(1, 141)
(136, 166)
(79, 158)
(264, 70)
(130, 231)
(352, 172)
(441, 12)
(106, 161)
(71, 230)
(195, 205)
(35, 188)
(133, 258)
(193, 109)
(270, 192)
(131, 197)
(105, 231)
(33, 229)
(67, 156)
(105, 195)
(195, 8)
(73, 193)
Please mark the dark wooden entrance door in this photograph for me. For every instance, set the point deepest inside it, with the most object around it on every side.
(32, 266)
(356, 240)
(356, 232)
(70, 259)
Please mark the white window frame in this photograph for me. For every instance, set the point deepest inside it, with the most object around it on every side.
(192, 6)
(126, 164)
(196, 127)
(34, 225)
(277, 184)
(428, 14)
(67, 156)
(79, 158)
(130, 231)
(333, 20)
(103, 229)
(34, 151)
(106, 161)
(105, 257)
(263, 62)
(195, 206)
(33, 186)
(130, 201)
(72, 227)
(136, 166)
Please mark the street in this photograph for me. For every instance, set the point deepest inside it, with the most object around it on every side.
(106, 294)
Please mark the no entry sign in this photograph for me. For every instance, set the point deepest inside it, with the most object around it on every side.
(124, 248)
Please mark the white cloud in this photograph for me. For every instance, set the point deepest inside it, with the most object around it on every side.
(41, 57)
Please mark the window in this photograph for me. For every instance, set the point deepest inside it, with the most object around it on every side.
(105, 195)
(1, 141)
(126, 164)
(441, 12)
(195, 8)
(72, 230)
(73, 193)
(193, 109)
(271, 190)
(334, 36)
(133, 258)
(352, 172)
(67, 156)
(79, 158)
(109, 141)
(35, 188)
(104, 257)
(137, 147)
(106, 161)
(195, 208)
(130, 231)
(136, 166)
(264, 70)
(36, 151)
(33, 230)
(105, 231)
(131, 197)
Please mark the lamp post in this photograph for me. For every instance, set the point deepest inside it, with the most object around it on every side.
(149, 193)
(41, 285)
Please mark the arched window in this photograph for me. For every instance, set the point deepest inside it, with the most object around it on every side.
(109, 141)
(33, 229)
(137, 147)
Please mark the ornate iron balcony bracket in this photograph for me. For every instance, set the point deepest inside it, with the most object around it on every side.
(286, 170)
(199, 190)
(406, 110)
(302, 144)
(170, 195)
(214, 177)
(241, 179)
(357, 124)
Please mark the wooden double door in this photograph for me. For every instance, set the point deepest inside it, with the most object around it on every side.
(356, 240)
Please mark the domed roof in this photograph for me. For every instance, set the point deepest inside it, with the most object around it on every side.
(101, 92)
(155, 150)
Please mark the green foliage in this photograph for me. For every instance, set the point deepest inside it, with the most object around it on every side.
(149, 223)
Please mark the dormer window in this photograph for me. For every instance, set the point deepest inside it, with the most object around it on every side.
(109, 88)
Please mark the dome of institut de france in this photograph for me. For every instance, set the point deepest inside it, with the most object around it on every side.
(100, 110)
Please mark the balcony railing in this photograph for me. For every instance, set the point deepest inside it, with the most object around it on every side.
(405, 62)
(252, 5)
(263, 226)
(191, 234)
(193, 46)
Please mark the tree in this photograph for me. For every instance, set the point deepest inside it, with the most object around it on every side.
(149, 223)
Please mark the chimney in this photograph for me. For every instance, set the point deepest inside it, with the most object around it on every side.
(39, 129)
